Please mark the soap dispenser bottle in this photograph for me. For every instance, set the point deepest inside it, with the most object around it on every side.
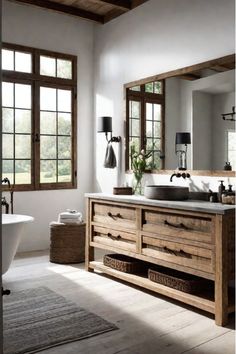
(221, 189)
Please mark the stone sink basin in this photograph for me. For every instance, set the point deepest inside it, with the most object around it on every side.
(166, 192)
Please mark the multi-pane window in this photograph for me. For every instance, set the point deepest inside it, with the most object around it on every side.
(145, 122)
(38, 118)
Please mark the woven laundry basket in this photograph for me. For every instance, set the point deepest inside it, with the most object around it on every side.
(67, 243)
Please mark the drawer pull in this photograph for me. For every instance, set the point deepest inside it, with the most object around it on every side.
(168, 250)
(113, 237)
(177, 226)
(184, 254)
(180, 253)
(114, 216)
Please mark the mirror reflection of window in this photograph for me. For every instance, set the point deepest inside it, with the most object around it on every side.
(145, 122)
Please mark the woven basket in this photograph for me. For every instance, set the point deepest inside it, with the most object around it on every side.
(67, 243)
(177, 280)
(124, 263)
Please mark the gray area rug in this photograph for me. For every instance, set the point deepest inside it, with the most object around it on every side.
(36, 319)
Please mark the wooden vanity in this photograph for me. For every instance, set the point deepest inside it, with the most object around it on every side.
(193, 237)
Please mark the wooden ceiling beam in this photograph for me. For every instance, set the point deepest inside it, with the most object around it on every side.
(122, 4)
(69, 10)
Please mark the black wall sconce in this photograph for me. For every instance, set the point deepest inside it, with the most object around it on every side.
(182, 139)
(105, 126)
(229, 116)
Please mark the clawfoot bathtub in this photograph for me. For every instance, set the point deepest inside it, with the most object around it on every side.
(12, 227)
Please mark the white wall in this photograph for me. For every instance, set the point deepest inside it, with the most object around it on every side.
(202, 131)
(158, 36)
(34, 27)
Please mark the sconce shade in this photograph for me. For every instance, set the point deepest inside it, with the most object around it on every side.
(183, 138)
(104, 124)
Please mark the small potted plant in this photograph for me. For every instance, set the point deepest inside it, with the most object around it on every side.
(139, 164)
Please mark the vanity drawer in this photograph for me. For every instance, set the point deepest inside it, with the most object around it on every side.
(179, 226)
(178, 253)
(118, 239)
(114, 215)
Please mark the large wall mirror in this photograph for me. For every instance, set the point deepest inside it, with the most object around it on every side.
(199, 99)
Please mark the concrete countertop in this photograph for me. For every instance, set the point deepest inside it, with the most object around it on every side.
(193, 205)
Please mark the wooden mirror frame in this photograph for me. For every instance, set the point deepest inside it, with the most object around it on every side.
(220, 64)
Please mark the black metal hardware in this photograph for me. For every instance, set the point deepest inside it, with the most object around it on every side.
(5, 292)
(113, 237)
(232, 114)
(177, 226)
(114, 216)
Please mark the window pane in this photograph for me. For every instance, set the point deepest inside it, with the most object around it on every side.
(7, 120)
(22, 121)
(150, 144)
(64, 171)
(7, 94)
(149, 132)
(149, 111)
(23, 62)
(47, 99)
(135, 88)
(157, 112)
(22, 96)
(22, 171)
(149, 87)
(157, 163)
(64, 147)
(48, 171)
(158, 87)
(7, 59)
(47, 66)
(23, 146)
(48, 123)
(136, 143)
(157, 144)
(64, 100)
(64, 123)
(134, 109)
(157, 129)
(48, 147)
(7, 146)
(64, 69)
(7, 170)
(135, 127)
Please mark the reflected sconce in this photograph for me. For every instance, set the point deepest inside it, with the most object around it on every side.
(105, 126)
(229, 116)
(180, 140)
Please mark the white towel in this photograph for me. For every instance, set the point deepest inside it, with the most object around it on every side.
(70, 215)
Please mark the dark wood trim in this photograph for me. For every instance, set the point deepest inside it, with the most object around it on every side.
(182, 71)
(36, 80)
(123, 4)
(69, 10)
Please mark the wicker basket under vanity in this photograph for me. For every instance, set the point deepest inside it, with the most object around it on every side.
(67, 243)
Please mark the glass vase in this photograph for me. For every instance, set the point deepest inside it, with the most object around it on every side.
(138, 185)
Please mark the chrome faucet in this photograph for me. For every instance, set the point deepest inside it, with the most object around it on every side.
(178, 175)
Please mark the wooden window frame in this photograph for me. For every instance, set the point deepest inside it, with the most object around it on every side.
(144, 97)
(36, 80)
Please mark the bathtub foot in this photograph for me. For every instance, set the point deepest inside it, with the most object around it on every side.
(5, 292)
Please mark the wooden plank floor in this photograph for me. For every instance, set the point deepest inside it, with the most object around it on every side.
(148, 323)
